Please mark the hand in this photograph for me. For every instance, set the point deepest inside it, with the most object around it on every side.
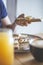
(20, 20)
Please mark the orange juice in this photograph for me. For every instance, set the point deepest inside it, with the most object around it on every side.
(6, 48)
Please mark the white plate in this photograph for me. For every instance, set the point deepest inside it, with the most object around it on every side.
(22, 51)
(27, 49)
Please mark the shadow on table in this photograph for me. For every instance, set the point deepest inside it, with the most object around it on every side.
(33, 62)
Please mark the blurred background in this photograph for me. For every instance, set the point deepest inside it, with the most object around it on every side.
(32, 8)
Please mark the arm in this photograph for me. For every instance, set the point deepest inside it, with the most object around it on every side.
(6, 23)
(4, 17)
(23, 22)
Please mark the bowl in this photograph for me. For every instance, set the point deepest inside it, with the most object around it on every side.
(36, 49)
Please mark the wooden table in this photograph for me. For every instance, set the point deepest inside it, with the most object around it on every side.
(26, 58)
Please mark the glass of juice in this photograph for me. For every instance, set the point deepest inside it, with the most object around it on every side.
(6, 47)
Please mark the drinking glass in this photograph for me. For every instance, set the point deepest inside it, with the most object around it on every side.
(6, 47)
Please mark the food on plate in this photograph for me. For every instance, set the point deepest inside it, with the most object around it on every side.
(16, 44)
(21, 43)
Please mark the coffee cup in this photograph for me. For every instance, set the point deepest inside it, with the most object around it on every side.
(36, 49)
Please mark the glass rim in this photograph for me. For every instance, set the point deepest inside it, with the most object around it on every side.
(5, 29)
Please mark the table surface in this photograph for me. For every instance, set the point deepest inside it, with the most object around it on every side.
(26, 58)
